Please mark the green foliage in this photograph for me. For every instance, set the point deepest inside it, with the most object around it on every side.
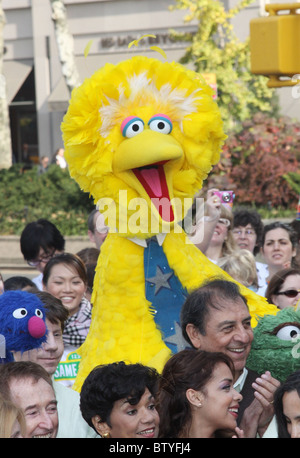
(215, 49)
(54, 195)
(257, 161)
(293, 179)
(276, 213)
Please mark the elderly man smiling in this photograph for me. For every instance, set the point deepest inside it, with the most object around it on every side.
(29, 387)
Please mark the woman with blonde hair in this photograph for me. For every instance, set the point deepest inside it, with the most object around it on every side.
(12, 420)
(241, 266)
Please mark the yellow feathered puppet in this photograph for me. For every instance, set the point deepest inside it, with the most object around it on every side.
(141, 136)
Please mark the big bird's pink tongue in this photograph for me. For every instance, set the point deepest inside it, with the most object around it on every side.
(151, 177)
(154, 181)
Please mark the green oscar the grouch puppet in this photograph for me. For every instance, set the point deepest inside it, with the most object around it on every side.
(276, 344)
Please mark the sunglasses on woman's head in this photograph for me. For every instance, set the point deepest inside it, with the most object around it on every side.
(289, 292)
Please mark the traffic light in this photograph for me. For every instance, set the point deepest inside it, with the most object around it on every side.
(275, 44)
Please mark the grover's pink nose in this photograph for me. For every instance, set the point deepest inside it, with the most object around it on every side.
(36, 327)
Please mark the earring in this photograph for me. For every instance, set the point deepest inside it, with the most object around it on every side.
(199, 405)
(105, 435)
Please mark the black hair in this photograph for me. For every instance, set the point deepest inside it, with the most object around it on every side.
(242, 217)
(69, 259)
(292, 383)
(40, 234)
(200, 302)
(184, 370)
(17, 282)
(279, 225)
(109, 383)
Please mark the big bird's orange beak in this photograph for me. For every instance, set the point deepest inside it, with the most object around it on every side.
(145, 163)
(144, 149)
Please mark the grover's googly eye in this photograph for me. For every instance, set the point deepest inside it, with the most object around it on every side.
(132, 126)
(39, 313)
(20, 313)
(161, 123)
(288, 332)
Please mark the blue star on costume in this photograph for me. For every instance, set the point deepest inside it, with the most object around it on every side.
(165, 292)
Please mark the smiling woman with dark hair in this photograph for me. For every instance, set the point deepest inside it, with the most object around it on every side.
(117, 400)
(196, 398)
(65, 277)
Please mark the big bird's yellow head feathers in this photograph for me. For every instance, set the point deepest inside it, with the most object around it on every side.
(146, 127)
(143, 133)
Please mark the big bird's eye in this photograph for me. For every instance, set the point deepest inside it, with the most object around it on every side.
(20, 313)
(161, 123)
(132, 126)
(288, 332)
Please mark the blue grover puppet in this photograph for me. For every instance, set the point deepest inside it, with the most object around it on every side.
(22, 323)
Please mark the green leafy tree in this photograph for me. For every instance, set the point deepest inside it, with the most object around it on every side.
(293, 179)
(261, 163)
(214, 48)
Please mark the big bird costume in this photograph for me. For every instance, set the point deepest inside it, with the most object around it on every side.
(143, 134)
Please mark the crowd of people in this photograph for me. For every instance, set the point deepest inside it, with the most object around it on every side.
(204, 390)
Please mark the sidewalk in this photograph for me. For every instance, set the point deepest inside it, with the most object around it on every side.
(11, 258)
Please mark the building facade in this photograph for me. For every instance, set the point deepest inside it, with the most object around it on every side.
(36, 91)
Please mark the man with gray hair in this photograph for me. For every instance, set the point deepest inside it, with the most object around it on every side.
(28, 386)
